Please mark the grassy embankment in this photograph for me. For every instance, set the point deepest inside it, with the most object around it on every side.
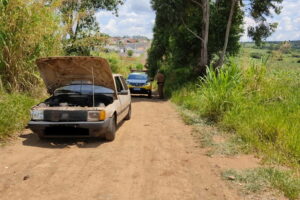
(258, 103)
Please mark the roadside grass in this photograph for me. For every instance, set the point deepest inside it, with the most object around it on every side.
(276, 60)
(14, 113)
(261, 179)
(262, 108)
(205, 133)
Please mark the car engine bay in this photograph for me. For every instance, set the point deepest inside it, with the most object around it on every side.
(78, 100)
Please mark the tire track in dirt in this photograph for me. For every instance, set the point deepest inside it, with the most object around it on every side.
(153, 157)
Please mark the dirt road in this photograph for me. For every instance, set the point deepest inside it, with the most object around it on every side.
(153, 157)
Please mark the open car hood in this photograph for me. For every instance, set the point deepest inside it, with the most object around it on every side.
(60, 71)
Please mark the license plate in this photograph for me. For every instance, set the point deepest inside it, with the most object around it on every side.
(136, 89)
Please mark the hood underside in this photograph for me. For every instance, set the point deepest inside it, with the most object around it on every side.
(60, 71)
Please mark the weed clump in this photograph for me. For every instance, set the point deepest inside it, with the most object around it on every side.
(260, 179)
(14, 113)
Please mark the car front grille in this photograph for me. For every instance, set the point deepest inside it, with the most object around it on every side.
(137, 84)
(64, 116)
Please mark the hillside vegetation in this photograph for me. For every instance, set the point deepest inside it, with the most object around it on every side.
(258, 102)
(14, 112)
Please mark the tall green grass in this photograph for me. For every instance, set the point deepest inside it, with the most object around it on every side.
(14, 113)
(262, 108)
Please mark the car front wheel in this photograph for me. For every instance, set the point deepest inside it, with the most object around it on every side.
(111, 133)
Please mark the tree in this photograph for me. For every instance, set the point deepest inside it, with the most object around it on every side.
(28, 30)
(129, 53)
(205, 30)
(222, 56)
(82, 31)
(191, 36)
(183, 38)
(259, 11)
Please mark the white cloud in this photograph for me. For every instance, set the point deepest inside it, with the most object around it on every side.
(288, 22)
(135, 18)
(111, 26)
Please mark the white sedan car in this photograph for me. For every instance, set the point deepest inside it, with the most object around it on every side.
(87, 100)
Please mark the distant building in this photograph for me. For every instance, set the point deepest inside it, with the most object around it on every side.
(138, 45)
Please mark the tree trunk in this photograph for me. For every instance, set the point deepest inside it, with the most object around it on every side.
(205, 30)
(229, 22)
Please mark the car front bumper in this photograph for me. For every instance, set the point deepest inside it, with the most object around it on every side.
(140, 89)
(69, 129)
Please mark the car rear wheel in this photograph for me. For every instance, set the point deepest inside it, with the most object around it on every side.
(41, 137)
(128, 116)
(111, 133)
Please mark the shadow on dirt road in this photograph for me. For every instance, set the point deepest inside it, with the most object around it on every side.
(32, 139)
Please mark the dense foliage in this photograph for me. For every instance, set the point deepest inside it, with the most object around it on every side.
(28, 30)
(38, 28)
(177, 45)
(82, 30)
(175, 33)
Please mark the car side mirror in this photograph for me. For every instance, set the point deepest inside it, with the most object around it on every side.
(123, 92)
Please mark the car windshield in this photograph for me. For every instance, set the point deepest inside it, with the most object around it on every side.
(83, 89)
(138, 76)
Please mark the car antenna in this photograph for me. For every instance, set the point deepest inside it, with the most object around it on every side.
(93, 86)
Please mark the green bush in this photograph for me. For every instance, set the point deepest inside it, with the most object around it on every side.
(14, 113)
(129, 53)
(262, 108)
(296, 55)
(115, 62)
(139, 66)
(256, 55)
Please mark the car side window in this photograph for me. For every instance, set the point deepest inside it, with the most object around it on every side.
(124, 82)
(119, 84)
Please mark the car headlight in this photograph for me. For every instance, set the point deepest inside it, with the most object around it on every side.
(94, 116)
(37, 115)
(148, 84)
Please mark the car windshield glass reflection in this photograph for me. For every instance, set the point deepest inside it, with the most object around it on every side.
(138, 77)
(83, 89)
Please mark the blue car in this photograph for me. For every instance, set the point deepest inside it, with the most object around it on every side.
(139, 83)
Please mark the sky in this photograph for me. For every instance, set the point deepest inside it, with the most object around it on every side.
(136, 17)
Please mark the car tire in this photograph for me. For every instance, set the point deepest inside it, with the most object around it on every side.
(150, 94)
(42, 138)
(111, 133)
(128, 116)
